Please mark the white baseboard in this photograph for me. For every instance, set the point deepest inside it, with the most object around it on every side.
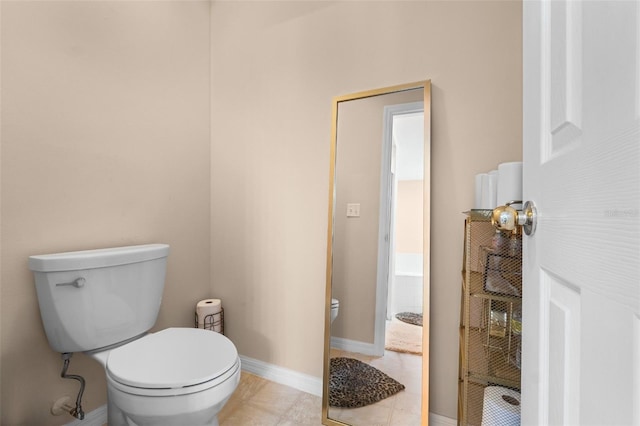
(438, 420)
(284, 376)
(97, 417)
(353, 346)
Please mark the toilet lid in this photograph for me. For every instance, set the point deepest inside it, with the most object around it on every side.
(172, 358)
(334, 302)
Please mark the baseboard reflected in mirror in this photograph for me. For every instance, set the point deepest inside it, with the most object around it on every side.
(376, 364)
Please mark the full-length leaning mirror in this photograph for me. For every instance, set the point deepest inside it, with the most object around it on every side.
(376, 368)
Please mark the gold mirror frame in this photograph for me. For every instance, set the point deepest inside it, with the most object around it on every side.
(426, 86)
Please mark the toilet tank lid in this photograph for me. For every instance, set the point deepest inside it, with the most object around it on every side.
(98, 258)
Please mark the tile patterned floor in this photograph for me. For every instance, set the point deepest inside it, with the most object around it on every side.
(259, 402)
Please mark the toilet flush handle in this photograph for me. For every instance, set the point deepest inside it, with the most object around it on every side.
(77, 283)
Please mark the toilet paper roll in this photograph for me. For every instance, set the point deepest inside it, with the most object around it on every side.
(477, 204)
(489, 187)
(509, 183)
(207, 307)
(501, 407)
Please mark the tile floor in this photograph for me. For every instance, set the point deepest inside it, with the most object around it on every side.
(260, 402)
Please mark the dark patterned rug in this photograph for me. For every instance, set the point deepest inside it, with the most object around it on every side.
(410, 318)
(353, 384)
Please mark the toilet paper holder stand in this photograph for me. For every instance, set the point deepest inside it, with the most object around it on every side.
(212, 321)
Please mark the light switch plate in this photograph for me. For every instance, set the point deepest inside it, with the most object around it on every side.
(353, 210)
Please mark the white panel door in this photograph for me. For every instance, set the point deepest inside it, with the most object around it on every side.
(581, 316)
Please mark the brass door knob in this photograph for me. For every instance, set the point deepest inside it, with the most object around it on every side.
(506, 218)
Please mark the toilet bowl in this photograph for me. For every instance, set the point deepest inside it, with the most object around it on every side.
(335, 306)
(103, 303)
(170, 377)
(143, 388)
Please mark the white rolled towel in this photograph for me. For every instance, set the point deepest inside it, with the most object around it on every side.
(509, 183)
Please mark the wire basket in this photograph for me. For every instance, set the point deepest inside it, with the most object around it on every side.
(490, 315)
(212, 322)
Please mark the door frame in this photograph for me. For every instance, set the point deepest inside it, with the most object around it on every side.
(384, 224)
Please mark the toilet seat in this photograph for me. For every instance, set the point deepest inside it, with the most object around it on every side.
(173, 361)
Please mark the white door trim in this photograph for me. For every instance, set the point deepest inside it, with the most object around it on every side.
(384, 226)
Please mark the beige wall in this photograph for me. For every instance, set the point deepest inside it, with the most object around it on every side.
(409, 212)
(276, 67)
(355, 239)
(105, 142)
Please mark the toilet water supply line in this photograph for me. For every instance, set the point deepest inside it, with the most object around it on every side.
(77, 411)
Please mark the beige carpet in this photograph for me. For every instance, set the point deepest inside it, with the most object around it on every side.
(403, 337)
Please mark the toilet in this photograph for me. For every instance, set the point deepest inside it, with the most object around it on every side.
(103, 303)
(335, 305)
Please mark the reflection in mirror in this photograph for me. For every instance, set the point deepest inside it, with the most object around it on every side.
(376, 342)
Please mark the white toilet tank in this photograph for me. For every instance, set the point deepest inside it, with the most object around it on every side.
(95, 298)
